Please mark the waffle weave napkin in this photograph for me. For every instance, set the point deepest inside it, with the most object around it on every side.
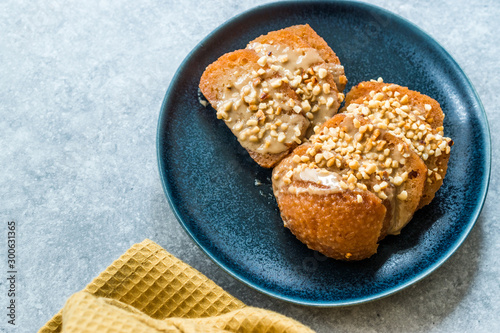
(149, 290)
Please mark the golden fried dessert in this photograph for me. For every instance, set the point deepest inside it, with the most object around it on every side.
(413, 117)
(349, 187)
(272, 94)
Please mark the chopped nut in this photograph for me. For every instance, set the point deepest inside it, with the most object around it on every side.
(404, 99)
(370, 168)
(296, 81)
(262, 61)
(322, 73)
(222, 115)
(255, 130)
(354, 165)
(249, 99)
(316, 90)
(403, 196)
(281, 137)
(397, 180)
(252, 122)
(276, 83)
(261, 117)
(306, 106)
(326, 88)
(329, 102)
(351, 179)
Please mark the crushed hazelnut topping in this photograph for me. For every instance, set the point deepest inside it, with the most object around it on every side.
(354, 156)
(259, 111)
(262, 61)
(389, 110)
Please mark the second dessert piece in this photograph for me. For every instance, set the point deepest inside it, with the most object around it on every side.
(348, 188)
(274, 93)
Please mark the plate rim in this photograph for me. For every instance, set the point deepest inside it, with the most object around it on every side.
(485, 134)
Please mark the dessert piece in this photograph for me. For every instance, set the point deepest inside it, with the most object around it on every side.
(413, 117)
(256, 105)
(349, 187)
(272, 94)
(308, 35)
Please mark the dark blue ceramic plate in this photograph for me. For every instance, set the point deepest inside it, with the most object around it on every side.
(210, 181)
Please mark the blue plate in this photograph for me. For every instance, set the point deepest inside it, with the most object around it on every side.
(212, 184)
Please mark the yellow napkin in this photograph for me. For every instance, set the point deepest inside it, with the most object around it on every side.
(149, 290)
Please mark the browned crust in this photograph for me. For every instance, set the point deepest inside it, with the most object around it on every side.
(270, 160)
(282, 37)
(216, 76)
(308, 34)
(336, 225)
(362, 90)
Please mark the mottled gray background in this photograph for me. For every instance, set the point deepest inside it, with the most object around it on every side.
(81, 84)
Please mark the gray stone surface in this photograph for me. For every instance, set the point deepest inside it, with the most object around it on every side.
(81, 84)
